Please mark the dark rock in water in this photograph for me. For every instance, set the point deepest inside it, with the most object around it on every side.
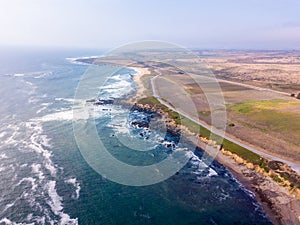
(86, 60)
(91, 100)
(101, 101)
(173, 132)
(147, 110)
(104, 102)
(140, 124)
(168, 145)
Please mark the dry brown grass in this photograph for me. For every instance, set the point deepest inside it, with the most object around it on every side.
(277, 70)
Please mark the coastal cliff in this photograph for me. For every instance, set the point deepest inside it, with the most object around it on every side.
(275, 184)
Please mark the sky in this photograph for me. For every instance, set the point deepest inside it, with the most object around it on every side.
(216, 24)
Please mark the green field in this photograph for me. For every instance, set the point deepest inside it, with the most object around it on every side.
(275, 115)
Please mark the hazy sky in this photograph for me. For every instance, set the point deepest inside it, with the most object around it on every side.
(260, 24)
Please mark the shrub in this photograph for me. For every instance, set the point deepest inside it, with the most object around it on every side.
(276, 178)
(267, 169)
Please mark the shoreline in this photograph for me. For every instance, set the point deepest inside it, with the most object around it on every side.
(281, 206)
(137, 80)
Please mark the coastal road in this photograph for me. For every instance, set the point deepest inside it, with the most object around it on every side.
(255, 87)
(294, 166)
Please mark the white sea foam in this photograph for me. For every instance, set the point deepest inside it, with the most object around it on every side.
(10, 204)
(3, 156)
(29, 136)
(55, 199)
(168, 143)
(79, 112)
(33, 100)
(19, 75)
(39, 74)
(79, 109)
(223, 195)
(58, 116)
(65, 99)
(41, 110)
(199, 165)
(29, 83)
(42, 74)
(38, 142)
(117, 89)
(212, 173)
(30, 180)
(119, 125)
(36, 169)
(45, 106)
(122, 87)
(42, 220)
(76, 185)
(12, 138)
(2, 134)
(29, 216)
(9, 222)
(55, 202)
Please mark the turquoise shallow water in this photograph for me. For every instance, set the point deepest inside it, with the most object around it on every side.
(44, 178)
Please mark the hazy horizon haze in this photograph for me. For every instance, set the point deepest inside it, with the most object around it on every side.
(107, 24)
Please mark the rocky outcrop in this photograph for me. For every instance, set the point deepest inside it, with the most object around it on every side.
(101, 101)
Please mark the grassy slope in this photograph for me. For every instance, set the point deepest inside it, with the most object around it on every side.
(271, 115)
(196, 128)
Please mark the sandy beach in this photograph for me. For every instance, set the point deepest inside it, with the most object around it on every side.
(137, 79)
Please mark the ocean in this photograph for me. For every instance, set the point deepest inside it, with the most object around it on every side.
(46, 180)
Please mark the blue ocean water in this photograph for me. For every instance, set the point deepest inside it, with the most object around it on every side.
(45, 180)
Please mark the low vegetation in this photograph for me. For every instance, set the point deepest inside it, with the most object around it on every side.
(277, 115)
(270, 167)
(146, 80)
(203, 132)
